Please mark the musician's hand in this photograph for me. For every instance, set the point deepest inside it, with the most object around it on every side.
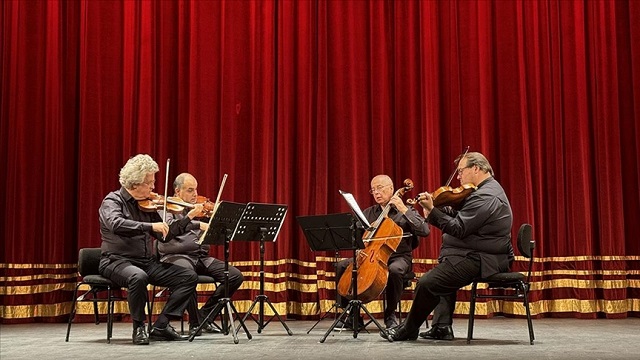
(398, 203)
(196, 211)
(204, 226)
(426, 201)
(160, 227)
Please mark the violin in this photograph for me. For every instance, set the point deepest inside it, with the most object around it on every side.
(155, 202)
(447, 195)
(380, 244)
(207, 205)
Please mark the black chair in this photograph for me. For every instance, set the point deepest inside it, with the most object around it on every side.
(516, 284)
(407, 285)
(202, 279)
(88, 262)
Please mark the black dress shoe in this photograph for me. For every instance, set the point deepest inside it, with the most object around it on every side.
(438, 333)
(193, 328)
(399, 333)
(167, 334)
(390, 323)
(140, 336)
(211, 329)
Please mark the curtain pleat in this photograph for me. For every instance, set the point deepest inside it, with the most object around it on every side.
(295, 100)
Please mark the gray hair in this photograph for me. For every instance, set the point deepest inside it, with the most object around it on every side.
(179, 181)
(136, 169)
(477, 159)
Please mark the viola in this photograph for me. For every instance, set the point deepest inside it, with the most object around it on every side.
(447, 195)
(380, 244)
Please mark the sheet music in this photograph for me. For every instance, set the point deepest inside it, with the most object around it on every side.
(356, 209)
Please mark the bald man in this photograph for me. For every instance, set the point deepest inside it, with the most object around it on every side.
(413, 225)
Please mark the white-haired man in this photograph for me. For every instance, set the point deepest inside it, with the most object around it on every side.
(127, 250)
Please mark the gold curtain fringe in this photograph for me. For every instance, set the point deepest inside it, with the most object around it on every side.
(331, 260)
(330, 285)
(311, 308)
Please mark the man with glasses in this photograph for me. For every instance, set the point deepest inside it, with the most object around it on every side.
(186, 251)
(476, 242)
(399, 264)
(127, 250)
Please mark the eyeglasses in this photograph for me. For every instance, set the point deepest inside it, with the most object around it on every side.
(461, 170)
(150, 183)
(377, 189)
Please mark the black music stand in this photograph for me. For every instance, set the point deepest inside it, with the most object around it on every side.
(339, 232)
(261, 222)
(222, 227)
(321, 236)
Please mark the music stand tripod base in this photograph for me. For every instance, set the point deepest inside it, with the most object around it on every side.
(338, 232)
(262, 222)
(222, 227)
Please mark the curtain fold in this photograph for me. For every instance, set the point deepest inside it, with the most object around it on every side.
(295, 100)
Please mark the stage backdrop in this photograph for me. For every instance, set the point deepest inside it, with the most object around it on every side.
(295, 100)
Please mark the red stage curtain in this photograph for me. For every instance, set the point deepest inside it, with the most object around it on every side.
(298, 99)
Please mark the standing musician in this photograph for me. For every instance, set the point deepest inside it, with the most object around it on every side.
(127, 256)
(184, 250)
(476, 242)
(399, 263)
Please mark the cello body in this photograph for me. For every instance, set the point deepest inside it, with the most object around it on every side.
(372, 270)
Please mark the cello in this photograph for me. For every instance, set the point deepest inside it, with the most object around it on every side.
(380, 243)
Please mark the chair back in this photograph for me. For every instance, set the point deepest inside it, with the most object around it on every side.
(526, 246)
(89, 261)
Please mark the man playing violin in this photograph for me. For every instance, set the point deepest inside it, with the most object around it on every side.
(399, 264)
(476, 242)
(184, 250)
(127, 250)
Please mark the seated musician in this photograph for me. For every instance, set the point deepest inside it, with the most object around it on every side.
(183, 250)
(127, 250)
(476, 242)
(412, 224)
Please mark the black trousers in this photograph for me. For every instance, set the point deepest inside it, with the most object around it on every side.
(216, 271)
(136, 274)
(444, 280)
(398, 266)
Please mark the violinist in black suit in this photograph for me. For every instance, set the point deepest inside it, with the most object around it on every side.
(476, 242)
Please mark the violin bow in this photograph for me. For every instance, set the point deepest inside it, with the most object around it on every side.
(456, 166)
(215, 208)
(166, 185)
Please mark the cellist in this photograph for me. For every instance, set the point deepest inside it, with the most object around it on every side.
(413, 226)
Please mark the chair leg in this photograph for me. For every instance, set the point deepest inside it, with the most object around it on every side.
(151, 304)
(526, 306)
(72, 314)
(472, 311)
(110, 309)
(96, 314)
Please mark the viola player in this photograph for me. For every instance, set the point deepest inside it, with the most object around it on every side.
(183, 250)
(413, 226)
(476, 242)
(127, 250)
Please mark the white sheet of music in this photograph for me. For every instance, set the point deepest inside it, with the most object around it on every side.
(356, 209)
